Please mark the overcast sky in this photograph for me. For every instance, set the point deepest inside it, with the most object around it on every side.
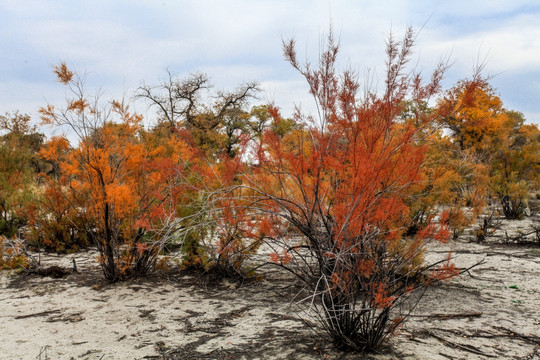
(119, 44)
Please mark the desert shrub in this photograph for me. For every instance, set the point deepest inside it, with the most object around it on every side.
(53, 223)
(19, 145)
(513, 207)
(486, 227)
(216, 133)
(218, 229)
(118, 185)
(233, 239)
(12, 254)
(515, 167)
(332, 195)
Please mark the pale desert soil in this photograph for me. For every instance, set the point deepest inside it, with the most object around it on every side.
(492, 313)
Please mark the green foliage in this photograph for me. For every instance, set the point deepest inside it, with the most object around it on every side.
(19, 145)
(515, 168)
(198, 228)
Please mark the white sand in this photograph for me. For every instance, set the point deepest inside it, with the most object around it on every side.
(78, 317)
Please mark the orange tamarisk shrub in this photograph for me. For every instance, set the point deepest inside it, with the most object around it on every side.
(120, 187)
(235, 234)
(333, 195)
(53, 223)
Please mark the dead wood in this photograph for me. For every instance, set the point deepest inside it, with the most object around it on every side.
(511, 333)
(42, 313)
(54, 271)
(467, 348)
(76, 317)
(486, 334)
(447, 356)
(450, 316)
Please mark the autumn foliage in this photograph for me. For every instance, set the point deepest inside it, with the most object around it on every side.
(493, 154)
(334, 196)
(19, 162)
(122, 189)
(345, 200)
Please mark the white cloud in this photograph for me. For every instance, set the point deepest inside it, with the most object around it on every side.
(513, 45)
(122, 43)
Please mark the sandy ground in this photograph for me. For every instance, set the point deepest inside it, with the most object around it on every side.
(493, 313)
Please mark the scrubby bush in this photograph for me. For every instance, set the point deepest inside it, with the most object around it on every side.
(19, 145)
(119, 187)
(332, 197)
(53, 223)
(12, 255)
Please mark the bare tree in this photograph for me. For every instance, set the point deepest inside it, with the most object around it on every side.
(177, 100)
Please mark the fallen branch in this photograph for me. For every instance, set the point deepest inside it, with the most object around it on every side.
(43, 313)
(450, 316)
(79, 342)
(511, 333)
(467, 348)
(446, 356)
